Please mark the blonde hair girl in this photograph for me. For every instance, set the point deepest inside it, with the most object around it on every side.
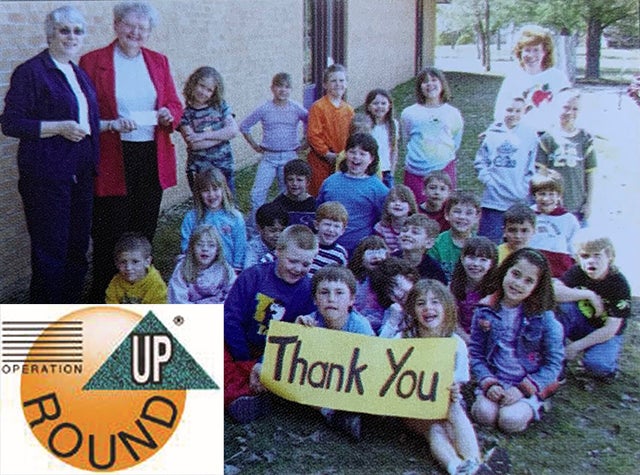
(213, 204)
(202, 275)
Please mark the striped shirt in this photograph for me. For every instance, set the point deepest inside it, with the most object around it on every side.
(331, 254)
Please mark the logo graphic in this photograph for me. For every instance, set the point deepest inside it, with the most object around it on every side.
(102, 388)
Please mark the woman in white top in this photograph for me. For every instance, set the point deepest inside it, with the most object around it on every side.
(535, 80)
(51, 107)
(139, 109)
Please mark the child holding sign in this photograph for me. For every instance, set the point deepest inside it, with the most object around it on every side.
(430, 312)
(333, 288)
(278, 290)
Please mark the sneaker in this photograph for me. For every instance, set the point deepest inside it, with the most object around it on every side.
(249, 408)
(473, 467)
(562, 377)
(497, 459)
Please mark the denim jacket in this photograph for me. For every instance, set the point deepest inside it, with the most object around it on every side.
(539, 349)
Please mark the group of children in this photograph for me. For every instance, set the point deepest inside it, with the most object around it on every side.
(509, 275)
(514, 340)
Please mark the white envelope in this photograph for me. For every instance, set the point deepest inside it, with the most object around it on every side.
(143, 118)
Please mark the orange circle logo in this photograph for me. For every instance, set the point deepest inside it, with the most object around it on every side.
(99, 402)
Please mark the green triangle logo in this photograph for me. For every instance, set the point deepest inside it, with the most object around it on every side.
(150, 358)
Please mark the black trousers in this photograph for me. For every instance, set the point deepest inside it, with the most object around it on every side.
(58, 215)
(137, 211)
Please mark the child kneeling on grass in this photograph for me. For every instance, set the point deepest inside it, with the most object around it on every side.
(202, 275)
(279, 290)
(595, 305)
(519, 227)
(555, 226)
(270, 221)
(331, 221)
(333, 288)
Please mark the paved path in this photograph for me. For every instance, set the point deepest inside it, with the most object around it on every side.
(615, 119)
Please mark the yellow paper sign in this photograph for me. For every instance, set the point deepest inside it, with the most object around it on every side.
(351, 372)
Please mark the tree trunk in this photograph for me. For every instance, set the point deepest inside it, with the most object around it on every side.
(594, 34)
(482, 43)
(454, 39)
(487, 39)
(566, 53)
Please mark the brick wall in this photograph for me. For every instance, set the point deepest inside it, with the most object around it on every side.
(247, 41)
(380, 45)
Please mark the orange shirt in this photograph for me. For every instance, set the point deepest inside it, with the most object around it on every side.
(327, 130)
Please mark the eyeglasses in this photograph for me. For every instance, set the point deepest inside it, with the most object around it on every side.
(140, 28)
(66, 31)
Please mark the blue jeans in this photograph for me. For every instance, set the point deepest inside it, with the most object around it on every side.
(387, 179)
(271, 166)
(492, 224)
(600, 359)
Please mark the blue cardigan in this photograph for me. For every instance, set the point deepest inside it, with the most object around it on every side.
(38, 92)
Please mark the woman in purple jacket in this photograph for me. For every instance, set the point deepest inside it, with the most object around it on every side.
(51, 107)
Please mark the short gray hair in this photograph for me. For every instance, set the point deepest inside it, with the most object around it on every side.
(63, 14)
(121, 10)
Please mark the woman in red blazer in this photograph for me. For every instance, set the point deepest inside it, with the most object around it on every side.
(139, 109)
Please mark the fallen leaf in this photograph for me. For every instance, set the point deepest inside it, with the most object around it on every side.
(269, 455)
(316, 456)
(253, 457)
(231, 470)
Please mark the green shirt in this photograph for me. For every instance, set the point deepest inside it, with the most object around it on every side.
(446, 252)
